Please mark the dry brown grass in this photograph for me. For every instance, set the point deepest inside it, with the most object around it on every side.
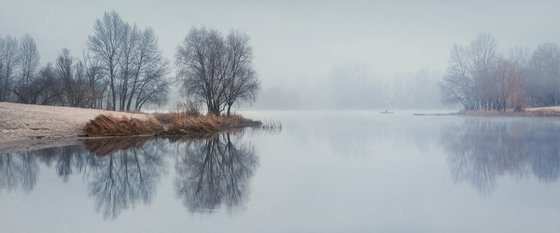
(182, 124)
(107, 125)
(165, 124)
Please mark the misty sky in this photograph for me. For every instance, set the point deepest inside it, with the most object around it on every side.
(301, 40)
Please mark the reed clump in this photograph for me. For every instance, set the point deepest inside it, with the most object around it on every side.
(108, 125)
(165, 124)
(182, 124)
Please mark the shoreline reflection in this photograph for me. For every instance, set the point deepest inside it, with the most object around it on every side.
(214, 173)
(121, 173)
(482, 150)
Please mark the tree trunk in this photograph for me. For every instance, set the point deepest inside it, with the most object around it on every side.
(228, 109)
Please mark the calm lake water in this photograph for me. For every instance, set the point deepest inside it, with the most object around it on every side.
(323, 172)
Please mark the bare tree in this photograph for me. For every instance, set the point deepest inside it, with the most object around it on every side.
(96, 82)
(470, 78)
(106, 44)
(199, 61)
(44, 89)
(154, 86)
(29, 59)
(215, 70)
(149, 82)
(126, 63)
(242, 83)
(508, 78)
(50, 92)
(544, 75)
(9, 60)
(458, 84)
(71, 75)
(132, 61)
(26, 88)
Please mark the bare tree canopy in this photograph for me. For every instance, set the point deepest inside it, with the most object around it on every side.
(478, 78)
(544, 75)
(9, 60)
(123, 69)
(29, 58)
(217, 70)
(131, 61)
(106, 43)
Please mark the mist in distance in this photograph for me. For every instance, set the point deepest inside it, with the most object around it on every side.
(314, 54)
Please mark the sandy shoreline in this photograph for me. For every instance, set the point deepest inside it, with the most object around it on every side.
(27, 126)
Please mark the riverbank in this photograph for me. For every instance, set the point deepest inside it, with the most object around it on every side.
(27, 126)
(553, 111)
(167, 124)
(20, 122)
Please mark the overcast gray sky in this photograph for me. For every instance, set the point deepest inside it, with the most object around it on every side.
(301, 39)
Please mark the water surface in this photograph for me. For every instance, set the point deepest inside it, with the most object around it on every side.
(323, 172)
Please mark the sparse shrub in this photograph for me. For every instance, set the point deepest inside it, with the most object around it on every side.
(183, 124)
(190, 107)
(164, 118)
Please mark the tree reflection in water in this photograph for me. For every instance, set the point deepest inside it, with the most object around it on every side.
(123, 173)
(18, 170)
(214, 173)
(120, 172)
(481, 150)
(126, 177)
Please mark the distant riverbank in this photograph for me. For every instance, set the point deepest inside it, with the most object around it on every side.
(553, 111)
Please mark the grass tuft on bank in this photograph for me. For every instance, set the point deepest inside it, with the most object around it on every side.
(165, 124)
(108, 125)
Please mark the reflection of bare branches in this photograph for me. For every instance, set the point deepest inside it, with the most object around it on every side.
(65, 159)
(482, 150)
(18, 169)
(214, 172)
(24, 166)
(210, 172)
(106, 146)
(121, 180)
(116, 181)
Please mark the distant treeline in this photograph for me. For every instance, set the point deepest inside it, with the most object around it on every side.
(123, 69)
(481, 78)
(356, 86)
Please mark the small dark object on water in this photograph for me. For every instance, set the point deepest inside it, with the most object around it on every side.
(386, 112)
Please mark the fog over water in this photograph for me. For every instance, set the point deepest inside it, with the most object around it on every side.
(335, 172)
(337, 86)
(304, 50)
